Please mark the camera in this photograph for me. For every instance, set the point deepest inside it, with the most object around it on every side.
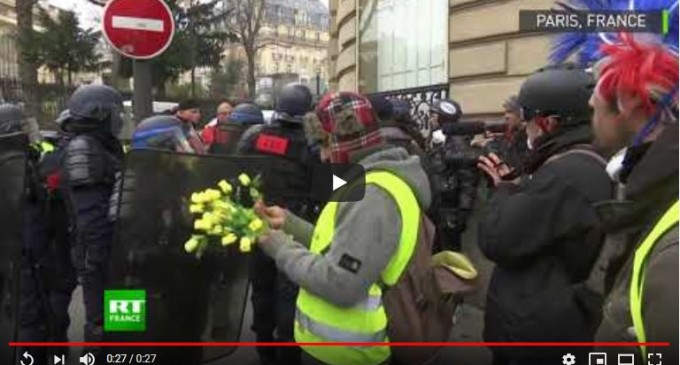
(470, 156)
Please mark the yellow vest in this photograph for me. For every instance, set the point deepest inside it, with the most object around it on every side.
(316, 320)
(637, 282)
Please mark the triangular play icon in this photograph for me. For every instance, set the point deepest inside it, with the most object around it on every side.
(338, 183)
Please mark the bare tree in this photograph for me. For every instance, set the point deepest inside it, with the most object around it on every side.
(28, 69)
(245, 21)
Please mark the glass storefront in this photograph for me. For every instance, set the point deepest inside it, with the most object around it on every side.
(402, 44)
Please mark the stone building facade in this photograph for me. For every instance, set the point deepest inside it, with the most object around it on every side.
(486, 57)
(296, 36)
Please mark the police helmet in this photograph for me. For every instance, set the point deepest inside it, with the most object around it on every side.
(10, 118)
(294, 100)
(561, 90)
(246, 114)
(448, 110)
(160, 132)
(93, 107)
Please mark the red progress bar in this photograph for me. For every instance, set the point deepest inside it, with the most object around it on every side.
(335, 344)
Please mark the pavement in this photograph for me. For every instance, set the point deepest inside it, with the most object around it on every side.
(468, 320)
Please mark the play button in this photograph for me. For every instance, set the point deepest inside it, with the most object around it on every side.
(338, 182)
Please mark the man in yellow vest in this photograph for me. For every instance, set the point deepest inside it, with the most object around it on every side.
(635, 111)
(343, 261)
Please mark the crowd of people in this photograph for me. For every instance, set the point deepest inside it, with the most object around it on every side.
(581, 220)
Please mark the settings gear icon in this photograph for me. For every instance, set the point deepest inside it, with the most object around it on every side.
(568, 359)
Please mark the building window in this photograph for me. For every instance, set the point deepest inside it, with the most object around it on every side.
(392, 56)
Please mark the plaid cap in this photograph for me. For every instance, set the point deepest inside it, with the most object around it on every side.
(350, 121)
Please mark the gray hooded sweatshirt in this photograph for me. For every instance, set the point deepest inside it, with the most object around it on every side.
(367, 234)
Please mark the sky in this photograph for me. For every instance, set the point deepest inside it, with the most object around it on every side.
(89, 13)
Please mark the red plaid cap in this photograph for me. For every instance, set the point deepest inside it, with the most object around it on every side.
(350, 121)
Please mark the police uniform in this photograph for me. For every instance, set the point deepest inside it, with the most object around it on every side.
(274, 295)
(227, 135)
(89, 166)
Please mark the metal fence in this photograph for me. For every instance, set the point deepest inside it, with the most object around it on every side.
(421, 98)
(50, 99)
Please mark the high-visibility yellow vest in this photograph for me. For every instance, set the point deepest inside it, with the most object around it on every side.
(637, 282)
(317, 320)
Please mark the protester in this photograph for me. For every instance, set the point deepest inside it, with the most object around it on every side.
(90, 165)
(511, 146)
(395, 133)
(542, 231)
(284, 140)
(163, 133)
(189, 113)
(209, 133)
(402, 116)
(339, 262)
(636, 109)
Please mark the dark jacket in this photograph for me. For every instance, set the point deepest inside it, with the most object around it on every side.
(544, 235)
(511, 147)
(651, 187)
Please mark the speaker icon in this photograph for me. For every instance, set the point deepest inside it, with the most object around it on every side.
(87, 359)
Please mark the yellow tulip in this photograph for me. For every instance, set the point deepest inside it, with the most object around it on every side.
(244, 179)
(256, 225)
(196, 198)
(191, 245)
(212, 194)
(216, 230)
(225, 186)
(202, 225)
(229, 239)
(246, 244)
(196, 208)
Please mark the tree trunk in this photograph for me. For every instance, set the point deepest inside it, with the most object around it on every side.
(28, 72)
(193, 82)
(251, 74)
(160, 90)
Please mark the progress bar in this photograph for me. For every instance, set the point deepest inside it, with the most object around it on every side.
(336, 344)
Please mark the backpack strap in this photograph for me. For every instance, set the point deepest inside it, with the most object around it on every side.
(584, 149)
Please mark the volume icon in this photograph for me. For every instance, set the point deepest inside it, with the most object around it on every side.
(87, 359)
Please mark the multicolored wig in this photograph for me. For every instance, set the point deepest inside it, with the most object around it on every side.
(636, 64)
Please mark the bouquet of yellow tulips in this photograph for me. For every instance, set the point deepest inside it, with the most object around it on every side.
(225, 215)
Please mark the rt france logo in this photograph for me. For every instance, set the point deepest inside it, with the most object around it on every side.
(125, 310)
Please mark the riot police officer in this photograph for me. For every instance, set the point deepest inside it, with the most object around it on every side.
(454, 181)
(227, 135)
(89, 166)
(47, 277)
(274, 294)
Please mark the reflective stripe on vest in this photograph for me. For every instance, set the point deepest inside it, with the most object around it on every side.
(637, 282)
(319, 321)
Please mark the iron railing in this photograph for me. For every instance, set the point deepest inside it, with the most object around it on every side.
(420, 98)
(50, 99)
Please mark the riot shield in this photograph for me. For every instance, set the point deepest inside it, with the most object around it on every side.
(187, 299)
(13, 154)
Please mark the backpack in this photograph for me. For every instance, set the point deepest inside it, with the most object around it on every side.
(421, 305)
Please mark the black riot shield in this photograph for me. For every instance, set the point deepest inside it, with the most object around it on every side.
(13, 154)
(187, 299)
